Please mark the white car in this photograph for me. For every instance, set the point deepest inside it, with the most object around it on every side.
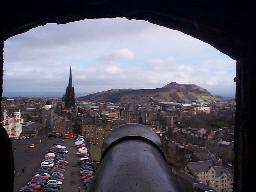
(79, 142)
(61, 147)
(80, 139)
(47, 164)
(65, 151)
(49, 155)
(44, 174)
(48, 160)
(83, 158)
(53, 181)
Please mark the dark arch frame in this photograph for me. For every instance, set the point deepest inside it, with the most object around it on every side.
(224, 25)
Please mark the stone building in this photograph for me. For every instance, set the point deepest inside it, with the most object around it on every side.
(59, 123)
(12, 123)
(202, 109)
(217, 177)
(31, 129)
(131, 114)
(47, 117)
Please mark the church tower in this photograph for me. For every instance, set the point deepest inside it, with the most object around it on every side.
(69, 97)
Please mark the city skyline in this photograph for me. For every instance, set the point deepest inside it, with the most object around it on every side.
(112, 54)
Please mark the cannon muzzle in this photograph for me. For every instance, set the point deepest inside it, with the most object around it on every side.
(133, 161)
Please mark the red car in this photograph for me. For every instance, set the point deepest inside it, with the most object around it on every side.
(86, 173)
(69, 135)
(44, 177)
(86, 176)
(60, 162)
(35, 186)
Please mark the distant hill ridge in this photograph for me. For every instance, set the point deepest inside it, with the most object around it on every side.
(171, 92)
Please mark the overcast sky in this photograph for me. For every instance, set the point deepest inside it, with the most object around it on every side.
(110, 54)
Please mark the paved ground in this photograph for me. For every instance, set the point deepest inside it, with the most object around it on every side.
(30, 159)
(72, 180)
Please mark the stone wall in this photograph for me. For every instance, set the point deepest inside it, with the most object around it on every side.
(226, 25)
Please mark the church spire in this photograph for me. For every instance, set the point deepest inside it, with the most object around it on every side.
(70, 78)
(69, 97)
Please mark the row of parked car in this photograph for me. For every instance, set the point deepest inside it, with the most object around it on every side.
(86, 166)
(49, 177)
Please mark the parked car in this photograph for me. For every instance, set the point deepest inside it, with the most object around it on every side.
(62, 162)
(43, 176)
(53, 181)
(86, 167)
(84, 158)
(82, 145)
(35, 186)
(50, 155)
(56, 169)
(53, 186)
(38, 181)
(60, 146)
(58, 175)
(56, 178)
(42, 170)
(86, 176)
(60, 166)
(79, 142)
(63, 151)
(59, 157)
(86, 172)
(50, 160)
(82, 154)
(47, 164)
(69, 136)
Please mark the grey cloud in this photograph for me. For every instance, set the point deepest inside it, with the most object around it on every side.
(53, 41)
(77, 32)
(111, 53)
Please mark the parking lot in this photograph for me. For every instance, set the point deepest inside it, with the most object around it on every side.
(28, 159)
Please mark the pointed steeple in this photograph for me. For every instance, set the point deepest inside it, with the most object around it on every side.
(70, 78)
(69, 97)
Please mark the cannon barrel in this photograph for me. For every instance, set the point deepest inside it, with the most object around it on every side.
(133, 161)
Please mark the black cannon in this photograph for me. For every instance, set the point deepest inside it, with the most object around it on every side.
(132, 161)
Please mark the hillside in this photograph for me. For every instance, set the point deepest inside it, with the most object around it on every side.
(170, 92)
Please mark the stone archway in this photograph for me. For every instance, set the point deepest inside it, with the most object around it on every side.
(224, 25)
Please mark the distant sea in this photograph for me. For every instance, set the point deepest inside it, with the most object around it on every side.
(60, 94)
(229, 98)
(39, 94)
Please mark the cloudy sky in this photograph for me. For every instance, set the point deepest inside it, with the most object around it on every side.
(110, 54)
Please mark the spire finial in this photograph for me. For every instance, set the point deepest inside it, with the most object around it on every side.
(70, 77)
